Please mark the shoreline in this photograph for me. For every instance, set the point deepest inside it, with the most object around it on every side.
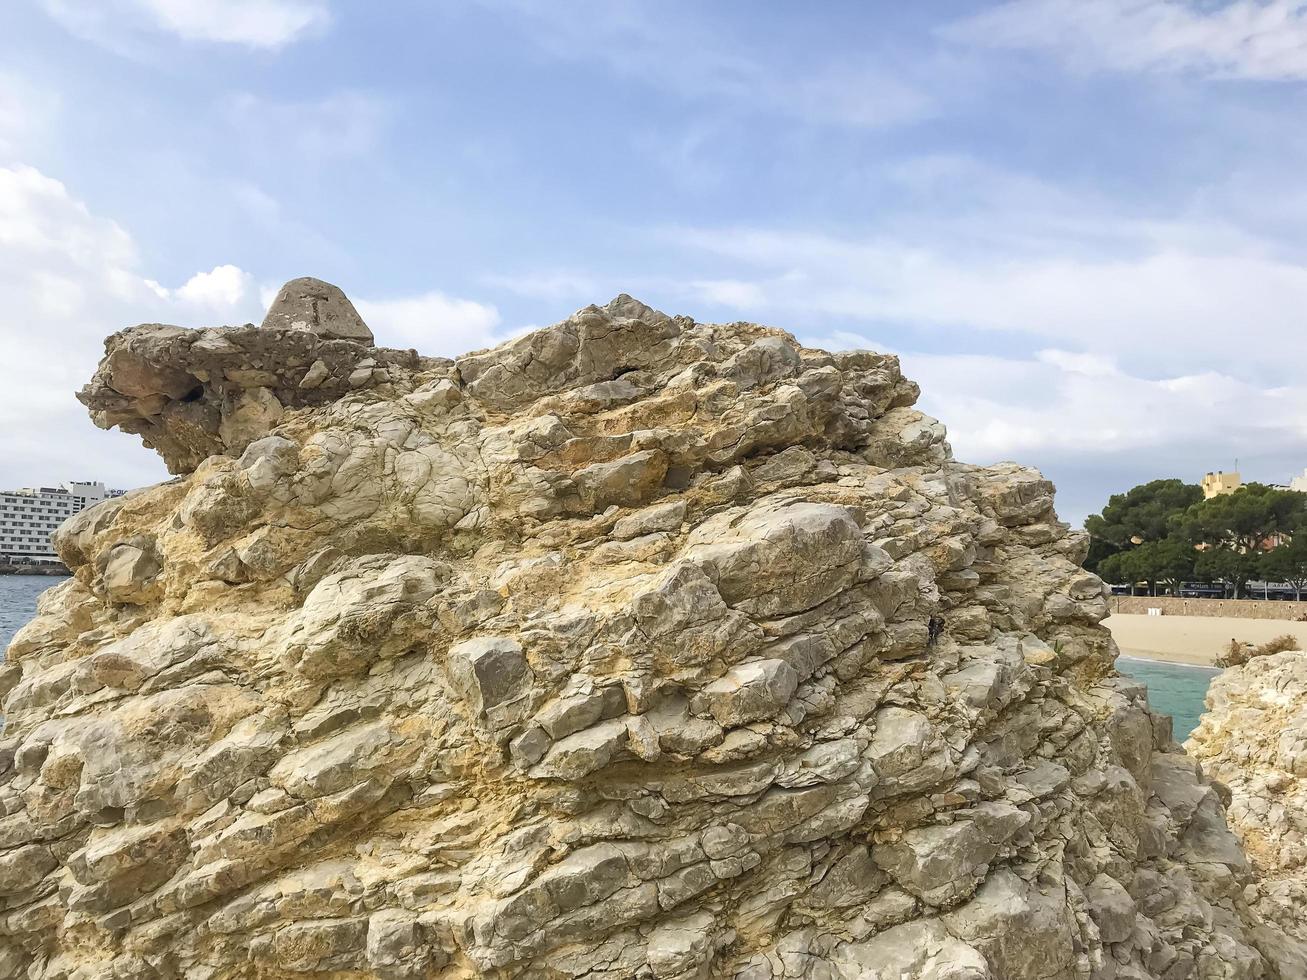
(1192, 640)
(1127, 655)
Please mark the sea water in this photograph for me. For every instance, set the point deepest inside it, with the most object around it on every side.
(18, 602)
(1178, 690)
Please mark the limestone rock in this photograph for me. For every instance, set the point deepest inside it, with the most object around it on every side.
(1112, 909)
(191, 394)
(634, 647)
(1253, 740)
(319, 307)
(489, 671)
(749, 692)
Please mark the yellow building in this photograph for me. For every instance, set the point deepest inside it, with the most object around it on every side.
(1218, 483)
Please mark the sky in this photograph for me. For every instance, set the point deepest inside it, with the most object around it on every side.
(1082, 224)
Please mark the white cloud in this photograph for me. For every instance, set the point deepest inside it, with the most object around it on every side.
(1091, 365)
(1158, 300)
(258, 23)
(1251, 39)
(1047, 406)
(70, 278)
(1083, 415)
(225, 286)
(268, 24)
(432, 323)
(731, 292)
(1048, 326)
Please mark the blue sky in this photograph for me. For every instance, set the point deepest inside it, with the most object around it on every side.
(1079, 222)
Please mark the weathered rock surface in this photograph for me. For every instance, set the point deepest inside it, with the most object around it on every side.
(1253, 739)
(635, 647)
(317, 306)
(192, 394)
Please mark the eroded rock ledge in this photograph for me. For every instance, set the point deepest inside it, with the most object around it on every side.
(635, 647)
(191, 394)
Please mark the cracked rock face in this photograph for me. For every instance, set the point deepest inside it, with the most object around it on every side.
(635, 647)
(1253, 739)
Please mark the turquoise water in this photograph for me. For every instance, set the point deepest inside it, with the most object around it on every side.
(18, 602)
(1177, 690)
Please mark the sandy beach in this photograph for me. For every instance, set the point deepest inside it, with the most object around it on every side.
(1193, 639)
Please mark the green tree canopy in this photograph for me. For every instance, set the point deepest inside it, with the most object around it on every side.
(1243, 520)
(1234, 530)
(1167, 563)
(1141, 514)
(1288, 562)
(1228, 565)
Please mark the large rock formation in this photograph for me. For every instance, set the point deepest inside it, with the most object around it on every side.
(1253, 739)
(635, 647)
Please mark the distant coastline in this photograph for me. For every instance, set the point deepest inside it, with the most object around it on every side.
(51, 571)
(1127, 655)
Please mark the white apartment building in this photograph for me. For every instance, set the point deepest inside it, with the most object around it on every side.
(28, 517)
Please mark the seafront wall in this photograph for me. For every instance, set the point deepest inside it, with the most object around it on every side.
(1234, 608)
(59, 570)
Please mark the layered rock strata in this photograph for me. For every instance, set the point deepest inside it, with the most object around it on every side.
(1253, 739)
(634, 647)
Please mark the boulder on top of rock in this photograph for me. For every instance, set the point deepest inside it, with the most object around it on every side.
(311, 304)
